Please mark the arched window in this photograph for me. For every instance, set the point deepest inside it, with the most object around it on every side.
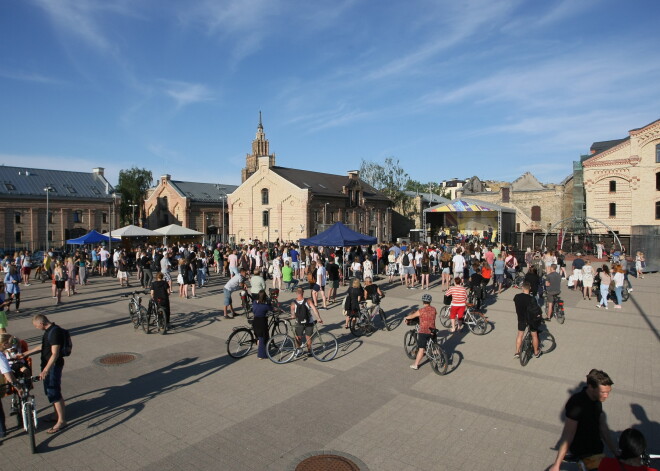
(264, 197)
(612, 186)
(536, 213)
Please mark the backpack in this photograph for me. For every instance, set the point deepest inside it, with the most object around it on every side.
(405, 261)
(303, 316)
(67, 345)
(534, 313)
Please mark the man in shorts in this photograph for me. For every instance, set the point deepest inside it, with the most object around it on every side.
(459, 263)
(522, 302)
(426, 315)
(333, 279)
(586, 427)
(235, 283)
(552, 287)
(304, 312)
(295, 265)
(578, 265)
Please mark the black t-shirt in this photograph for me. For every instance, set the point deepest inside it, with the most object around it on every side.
(160, 289)
(371, 290)
(586, 413)
(52, 336)
(533, 280)
(522, 301)
(476, 280)
(333, 271)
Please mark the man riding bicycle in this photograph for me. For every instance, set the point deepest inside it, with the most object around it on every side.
(372, 294)
(426, 317)
(304, 311)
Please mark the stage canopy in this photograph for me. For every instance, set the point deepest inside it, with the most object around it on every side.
(134, 231)
(91, 237)
(339, 235)
(468, 204)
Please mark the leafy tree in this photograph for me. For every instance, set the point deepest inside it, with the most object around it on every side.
(388, 178)
(133, 185)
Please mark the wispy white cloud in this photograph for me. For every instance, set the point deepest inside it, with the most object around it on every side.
(30, 77)
(186, 93)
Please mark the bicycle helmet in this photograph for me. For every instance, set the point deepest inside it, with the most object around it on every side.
(426, 298)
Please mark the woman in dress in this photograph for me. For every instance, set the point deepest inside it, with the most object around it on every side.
(277, 272)
(640, 263)
(368, 268)
(425, 270)
(354, 295)
(260, 309)
(59, 279)
(391, 266)
(181, 278)
(587, 280)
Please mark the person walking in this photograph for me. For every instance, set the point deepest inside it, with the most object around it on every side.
(13, 286)
(260, 309)
(618, 285)
(605, 279)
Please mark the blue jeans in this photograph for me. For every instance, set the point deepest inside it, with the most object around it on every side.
(618, 291)
(604, 292)
(201, 277)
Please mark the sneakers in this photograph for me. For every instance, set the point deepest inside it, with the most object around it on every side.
(299, 352)
(617, 306)
(516, 356)
(414, 367)
(630, 290)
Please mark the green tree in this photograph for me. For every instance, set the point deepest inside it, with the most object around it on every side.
(133, 185)
(388, 178)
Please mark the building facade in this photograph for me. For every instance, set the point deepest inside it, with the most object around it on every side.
(43, 208)
(622, 180)
(199, 206)
(278, 203)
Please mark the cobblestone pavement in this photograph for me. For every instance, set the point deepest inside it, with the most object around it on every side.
(185, 404)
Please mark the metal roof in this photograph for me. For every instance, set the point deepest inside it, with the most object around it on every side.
(22, 182)
(203, 192)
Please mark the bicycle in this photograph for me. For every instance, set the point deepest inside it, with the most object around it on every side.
(476, 322)
(246, 303)
(24, 407)
(546, 343)
(557, 308)
(434, 352)
(137, 312)
(157, 313)
(281, 348)
(241, 340)
(363, 323)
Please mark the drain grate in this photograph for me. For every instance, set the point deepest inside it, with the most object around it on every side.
(327, 463)
(114, 359)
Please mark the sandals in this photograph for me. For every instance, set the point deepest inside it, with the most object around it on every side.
(54, 430)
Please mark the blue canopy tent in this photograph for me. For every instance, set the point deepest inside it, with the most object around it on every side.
(339, 235)
(91, 237)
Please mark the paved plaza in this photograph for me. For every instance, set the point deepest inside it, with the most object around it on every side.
(185, 404)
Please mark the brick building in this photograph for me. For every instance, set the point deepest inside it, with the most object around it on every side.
(199, 206)
(77, 202)
(289, 204)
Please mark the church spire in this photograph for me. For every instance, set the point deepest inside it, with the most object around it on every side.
(259, 149)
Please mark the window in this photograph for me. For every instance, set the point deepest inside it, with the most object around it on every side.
(18, 217)
(19, 237)
(657, 209)
(612, 186)
(10, 187)
(505, 195)
(265, 218)
(50, 217)
(345, 217)
(657, 153)
(612, 210)
(536, 213)
(264, 197)
(657, 181)
(78, 216)
(50, 236)
(104, 218)
(316, 216)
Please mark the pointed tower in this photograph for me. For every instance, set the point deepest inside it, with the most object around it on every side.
(259, 149)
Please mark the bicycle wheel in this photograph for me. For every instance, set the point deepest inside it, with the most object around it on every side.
(383, 317)
(476, 323)
(546, 342)
(240, 343)
(324, 346)
(559, 313)
(133, 313)
(526, 349)
(625, 294)
(410, 344)
(280, 348)
(31, 428)
(439, 361)
(444, 316)
(161, 325)
(144, 319)
(358, 325)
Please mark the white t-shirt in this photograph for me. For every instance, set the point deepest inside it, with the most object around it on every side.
(4, 364)
(459, 263)
(320, 276)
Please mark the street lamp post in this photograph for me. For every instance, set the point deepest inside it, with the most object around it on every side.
(112, 207)
(268, 241)
(223, 197)
(132, 205)
(48, 189)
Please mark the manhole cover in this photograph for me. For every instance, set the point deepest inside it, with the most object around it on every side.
(327, 463)
(113, 359)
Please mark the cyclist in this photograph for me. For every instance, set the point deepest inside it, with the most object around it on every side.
(552, 287)
(304, 311)
(160, 293)
(426, 317)
(5, 370)
(586, 427)
(522, 302)
(372, 293)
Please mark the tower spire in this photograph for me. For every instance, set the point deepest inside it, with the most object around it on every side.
(260, 125)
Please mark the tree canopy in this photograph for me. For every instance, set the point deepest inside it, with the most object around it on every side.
(388, 178)
(133, 185)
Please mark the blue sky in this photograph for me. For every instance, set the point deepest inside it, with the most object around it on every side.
(451, 89)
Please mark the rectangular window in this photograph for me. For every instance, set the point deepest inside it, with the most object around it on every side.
(104, 218)
(657, 209)
(505, 195)
(612, 186)
(50, 236)
(657, 153)
(18, 217)
(50, 217)
(657, 181)
(612, 210)
(19, 237)
(316, 216)
(265, 220)
(77, 216)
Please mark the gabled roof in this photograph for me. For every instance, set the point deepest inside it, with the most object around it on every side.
(30, 182)
(527, 182)
(326, 184)
(598, 147)
(203, 192)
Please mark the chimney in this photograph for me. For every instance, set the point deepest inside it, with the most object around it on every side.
(98, 171)
(165, 178)
(354, 174)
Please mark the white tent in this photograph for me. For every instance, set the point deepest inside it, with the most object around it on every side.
(134, 231)
(174, 230)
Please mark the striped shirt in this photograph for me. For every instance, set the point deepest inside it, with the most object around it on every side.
(458, 295)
